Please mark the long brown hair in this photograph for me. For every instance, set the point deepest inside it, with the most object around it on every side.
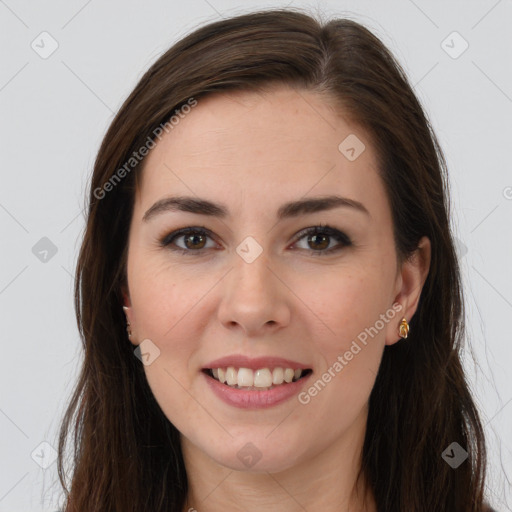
(127, 455)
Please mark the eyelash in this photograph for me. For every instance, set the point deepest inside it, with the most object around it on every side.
(324, 229)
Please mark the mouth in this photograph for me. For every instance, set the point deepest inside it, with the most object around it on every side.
(262, 379)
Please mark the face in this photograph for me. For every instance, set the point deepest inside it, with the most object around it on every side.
(253, 279)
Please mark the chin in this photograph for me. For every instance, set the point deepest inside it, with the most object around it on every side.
(255, 457)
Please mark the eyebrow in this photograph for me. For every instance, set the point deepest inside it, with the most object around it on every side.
(288, 210)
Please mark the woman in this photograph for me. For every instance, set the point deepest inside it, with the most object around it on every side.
(267, 290)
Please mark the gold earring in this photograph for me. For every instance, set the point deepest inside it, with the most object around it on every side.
(403, 329)
(128, 330)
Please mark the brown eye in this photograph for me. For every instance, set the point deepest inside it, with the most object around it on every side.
(318, 239)
(194, 240)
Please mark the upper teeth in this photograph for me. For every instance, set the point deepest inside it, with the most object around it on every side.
(261, 378)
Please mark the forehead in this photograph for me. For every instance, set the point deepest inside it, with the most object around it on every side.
(280, 143)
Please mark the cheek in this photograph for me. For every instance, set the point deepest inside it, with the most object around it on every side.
(171, 391)
(166, 302)
(163, 297)
(354, 313)
(345, 302)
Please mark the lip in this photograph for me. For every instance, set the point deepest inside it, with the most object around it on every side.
(254, 399)
(241, 361)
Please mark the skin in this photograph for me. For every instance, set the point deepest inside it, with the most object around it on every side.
(253, 152)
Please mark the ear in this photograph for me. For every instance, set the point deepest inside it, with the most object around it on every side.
(126, 295)
(127, 308)
(409, 283)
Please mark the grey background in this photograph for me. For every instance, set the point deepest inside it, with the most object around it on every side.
(55, 110)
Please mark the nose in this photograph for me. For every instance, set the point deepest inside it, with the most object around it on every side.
(254, 298)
